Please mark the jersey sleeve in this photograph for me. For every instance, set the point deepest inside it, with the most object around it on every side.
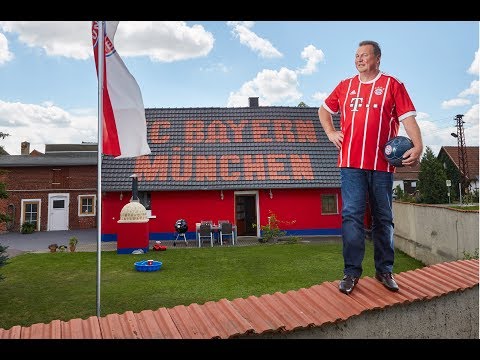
(403, 104)
(332, 102)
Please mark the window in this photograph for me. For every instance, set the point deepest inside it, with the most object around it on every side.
(86, 205)
(329, 204)
(30, 210)
(59, 204)
(144, 198)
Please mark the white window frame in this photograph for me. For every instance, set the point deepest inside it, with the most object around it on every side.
(22, 216)
(94, 205)
(336, 204)
(257, 205)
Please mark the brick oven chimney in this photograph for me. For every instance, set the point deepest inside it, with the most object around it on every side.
(253, 101)
(25, 148)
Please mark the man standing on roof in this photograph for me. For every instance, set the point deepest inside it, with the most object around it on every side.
(371, 104)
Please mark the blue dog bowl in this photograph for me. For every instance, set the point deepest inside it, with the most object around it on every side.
(143, 265)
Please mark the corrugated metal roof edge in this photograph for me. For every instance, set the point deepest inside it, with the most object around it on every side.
(296, 309)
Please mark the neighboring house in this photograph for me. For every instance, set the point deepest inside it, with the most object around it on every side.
(448, 155)
(236, 164)
(407, 178)
(56, 190)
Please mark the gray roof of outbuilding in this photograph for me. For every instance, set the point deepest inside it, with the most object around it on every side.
(198, 149)
(60, 159)
(62, 148)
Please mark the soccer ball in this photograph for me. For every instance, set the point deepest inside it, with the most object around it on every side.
(395, 148)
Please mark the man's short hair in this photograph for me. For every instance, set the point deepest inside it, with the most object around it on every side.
(376, 48)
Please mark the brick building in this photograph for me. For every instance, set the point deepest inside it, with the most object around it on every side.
(56, 190)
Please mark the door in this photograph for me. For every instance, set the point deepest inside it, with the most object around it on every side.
(58, 211)
(246, 215)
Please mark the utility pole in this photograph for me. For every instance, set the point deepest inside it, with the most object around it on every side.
(462, 153)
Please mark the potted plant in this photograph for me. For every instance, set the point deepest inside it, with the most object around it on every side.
(28, 227)
(62, 248)
(72, 242)
(53, 247)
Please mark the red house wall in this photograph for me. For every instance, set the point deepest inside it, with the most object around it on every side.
(299, 211)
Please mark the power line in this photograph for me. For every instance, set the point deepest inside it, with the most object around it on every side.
(462, 152)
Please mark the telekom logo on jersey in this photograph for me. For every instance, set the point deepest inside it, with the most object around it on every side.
(355, 103)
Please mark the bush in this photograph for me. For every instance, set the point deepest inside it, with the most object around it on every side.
(271, 232)
(3, 258)
(28, 227)
(468, 256)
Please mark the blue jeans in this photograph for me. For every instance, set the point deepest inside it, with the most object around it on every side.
(356, 185)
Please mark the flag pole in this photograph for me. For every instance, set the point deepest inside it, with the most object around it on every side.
(101, 58)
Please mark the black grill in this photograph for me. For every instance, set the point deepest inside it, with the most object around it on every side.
(181, 226)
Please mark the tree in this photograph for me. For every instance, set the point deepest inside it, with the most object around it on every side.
(431, 179)
(3, 258)
(302, 104)
(3, 136)
(3, 218)
(453, 174)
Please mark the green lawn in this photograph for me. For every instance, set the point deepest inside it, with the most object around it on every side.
(465, 207)
(40, 288)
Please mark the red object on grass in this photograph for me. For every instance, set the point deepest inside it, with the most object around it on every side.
(157, 247)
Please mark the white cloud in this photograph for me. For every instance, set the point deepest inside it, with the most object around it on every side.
(422, 115)
(217, 67)
(241, 29)
(435, 137)
(44, 124)
(57, 38)
(5, 54)
(470, 126)
(313, 57)
(165, 41)
(319, 96)
(159, 40)
(472, 115)
(270, 86)
(472, 90)
(474, 67)
(447, 104)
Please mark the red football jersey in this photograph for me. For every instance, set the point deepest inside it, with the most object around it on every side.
(370, 114)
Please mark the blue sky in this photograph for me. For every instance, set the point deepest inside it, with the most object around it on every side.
(48, 92)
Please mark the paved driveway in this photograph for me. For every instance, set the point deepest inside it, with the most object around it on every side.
(38, 241)
(19, 243)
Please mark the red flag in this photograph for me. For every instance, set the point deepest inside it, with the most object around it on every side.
(124, 124)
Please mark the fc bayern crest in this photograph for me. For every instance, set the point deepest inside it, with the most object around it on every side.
(109, 47)
(388, 150)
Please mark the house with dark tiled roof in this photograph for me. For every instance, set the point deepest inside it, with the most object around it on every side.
(449, 156)
(407, 178)
(236, 164)
(55, 191)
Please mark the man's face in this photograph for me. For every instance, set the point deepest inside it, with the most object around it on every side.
(365, 60)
